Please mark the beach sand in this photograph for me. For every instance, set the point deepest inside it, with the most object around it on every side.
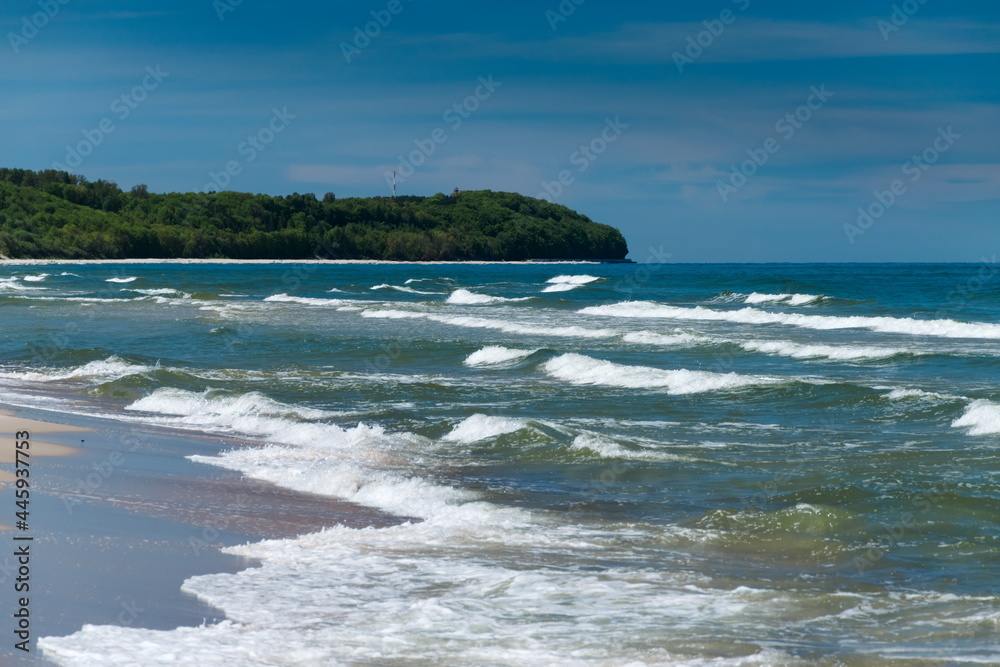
(120, 519)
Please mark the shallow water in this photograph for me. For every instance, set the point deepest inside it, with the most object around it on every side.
(613, 464)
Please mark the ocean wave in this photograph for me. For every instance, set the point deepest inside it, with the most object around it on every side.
(163, 291)
(786, 299)
(982, 417)
(680, 339)
(310, 301)
(903, 393)
(609, 449)
(13, 285)
(402, 288)
(524, 329)
(392, 314)
(833, 352)
(466, 298)
(493, 355)
(121, 280)
(897, 325)
(112, 368)
(36, 278)
(483, 427)
(221, 409)
(567, 283)
(582, 370)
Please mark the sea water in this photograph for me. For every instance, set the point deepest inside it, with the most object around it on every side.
(602, 464)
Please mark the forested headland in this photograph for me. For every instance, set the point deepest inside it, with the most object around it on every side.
(57, 215)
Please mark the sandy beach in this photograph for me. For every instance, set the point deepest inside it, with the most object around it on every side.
(120, 519)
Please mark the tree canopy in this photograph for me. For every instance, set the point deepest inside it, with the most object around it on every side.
(57, 215)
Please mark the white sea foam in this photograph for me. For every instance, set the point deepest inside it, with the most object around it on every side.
(609, 449)
(899, 325)
(582, 370)
(982, 417)
(121, 280)
(482, 427)
(163, 291)
(903, 393)
(37, 278)
(220, 409)
(466, 298)
(13, 285)
(495, 354)
(566, 283)
(505, 326)
(392, 314)
(525, 329)
(787, 299)
(112, 368)
(681, 339)
(401, 288)
(310, 301)
(833, 352)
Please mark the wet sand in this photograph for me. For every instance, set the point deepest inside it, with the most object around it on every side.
(119, 519)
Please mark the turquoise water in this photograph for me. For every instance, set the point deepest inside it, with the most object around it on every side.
(610, 464)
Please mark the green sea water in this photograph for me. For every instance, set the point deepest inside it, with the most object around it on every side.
(606, 464)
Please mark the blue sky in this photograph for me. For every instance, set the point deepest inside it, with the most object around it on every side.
(819, 108)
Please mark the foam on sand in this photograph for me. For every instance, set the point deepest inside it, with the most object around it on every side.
(494, 355)
(483, 427)
(582, 370)
(464, 297)
(982, 417)
(897, 325)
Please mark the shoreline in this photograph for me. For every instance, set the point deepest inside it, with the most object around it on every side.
(120, 518)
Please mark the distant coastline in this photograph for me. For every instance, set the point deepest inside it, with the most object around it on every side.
(57, 215)
(196, 260)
